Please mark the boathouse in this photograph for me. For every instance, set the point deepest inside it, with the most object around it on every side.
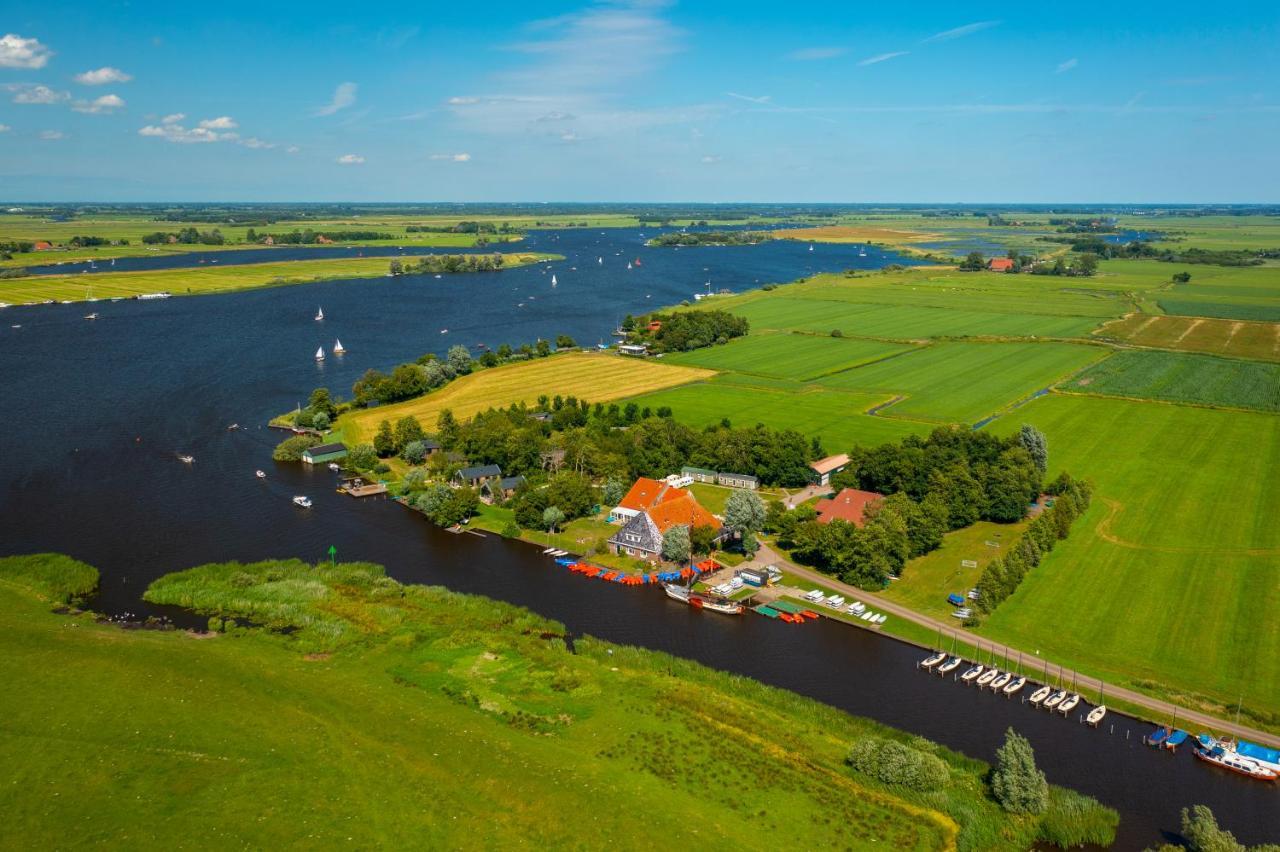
(824, 469)
(849, 505)
(476, 477)
(324, 453)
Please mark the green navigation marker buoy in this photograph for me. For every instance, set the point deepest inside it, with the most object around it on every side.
(333, 553)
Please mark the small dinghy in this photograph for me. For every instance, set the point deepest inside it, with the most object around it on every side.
(1040, 695)
(1015, 686)
(930, 662)
(988, 676)
(1068, 704)
(1054, 700)
(1096, 715)
(998, 684)
(950, 666)
(261, 474)
(973, 673)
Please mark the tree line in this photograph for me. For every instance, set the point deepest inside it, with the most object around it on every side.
(186, 236)
(684, 330)
(309, 237)
(710, 238)
(439, 263)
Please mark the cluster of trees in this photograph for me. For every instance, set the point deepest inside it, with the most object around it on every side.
(932, 485)
(90, 242)
(1082, 266)
(439, 263)
(14, 272)
(319, 413)
(310, 237)
(445, 506)
(12, 247)
(680, 332)
(406, 439)
(1001, 577)
(186, 236)
(1016, 782)
(1085, 226)
(464, 227)
(711, 238)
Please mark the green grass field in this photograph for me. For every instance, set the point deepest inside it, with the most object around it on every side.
(1171, 581)
(792, 356)
(1260, 340)
(964, 382)
(928, 579)
(1179, 377)
(394, 715)
(205, 279)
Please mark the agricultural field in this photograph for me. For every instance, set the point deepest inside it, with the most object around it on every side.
(203, 280)
(586, 375)
(795, 356)
(964, 382)
(363, 728)
(1210, 232)
(1170, 582)
(928, 579)
(1176, 377)
(1259, 340)
(835, 417)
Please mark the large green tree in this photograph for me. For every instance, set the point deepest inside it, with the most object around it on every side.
(1017, 783)
(676, 545)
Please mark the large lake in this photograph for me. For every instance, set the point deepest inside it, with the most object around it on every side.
(99, 412)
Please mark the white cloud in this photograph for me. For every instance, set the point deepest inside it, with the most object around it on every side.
(36, 94)
(173, 118)
(19, 52)
(222, 122)
(343, 97)
(710, 159)
(462, 101)
(456, 158)
(883, 57)
(292, 149)
(1068, 65)
(102, 76)
(104, 104)
(350, 160)
(4, 128)
(569, 136)
(960, 32)
(171, 131)
(52, 135)
(255, 142)
(814, 54)
(760, 99)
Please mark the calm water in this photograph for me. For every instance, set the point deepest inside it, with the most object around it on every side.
(103, 410)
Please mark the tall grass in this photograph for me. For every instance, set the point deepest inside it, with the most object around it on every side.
(51, 575)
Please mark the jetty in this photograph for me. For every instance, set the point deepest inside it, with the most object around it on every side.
(369, 489)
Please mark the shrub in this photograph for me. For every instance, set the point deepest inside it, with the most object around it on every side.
(291, 449)
(892, 762)
(1018, 785)
(242, 580)
(511, 530)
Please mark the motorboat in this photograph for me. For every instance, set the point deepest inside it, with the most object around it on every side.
(975, 671)
(261, 474)
(989, 675)
(233, 427)
(1235, 762)
(334, 466)
(186, 459)
(950, 666)
(857, 608)
(1054, 700)
(999, 683)
(304, 502)
(92, 316)
(1014, 686)
(930, 662)
(1068, 704)
(1040, 695)
(1096, 715)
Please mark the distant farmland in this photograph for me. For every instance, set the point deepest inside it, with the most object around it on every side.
(1176, 377)
(1198, 334)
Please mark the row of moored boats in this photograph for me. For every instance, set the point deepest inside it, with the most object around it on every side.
(1009, 684)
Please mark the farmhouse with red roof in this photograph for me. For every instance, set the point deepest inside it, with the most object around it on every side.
(849, 505)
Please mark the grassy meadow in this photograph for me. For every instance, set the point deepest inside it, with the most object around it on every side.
(1260, 340)
(1181, 377)
(789, 356)
(928, 579)
(363, 727)
(205, 279)
(586, 375)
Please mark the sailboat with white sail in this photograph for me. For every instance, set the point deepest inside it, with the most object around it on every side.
(319, 314)
(338, 348)
(320, 354)
(553, 280)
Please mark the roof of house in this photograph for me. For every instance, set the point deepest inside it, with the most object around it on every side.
(430, 444)
(648, 492)
(849, 505)
(830, 463)
(685, 510)
(746, 476)
(325, 449)
(480, 471)
(509, 483)
(702, 470)
(1000, 263)
(639, 532)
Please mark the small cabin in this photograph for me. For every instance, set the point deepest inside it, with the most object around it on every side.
(324, 453)
(738, 480)
(699, 474)
(476, 477)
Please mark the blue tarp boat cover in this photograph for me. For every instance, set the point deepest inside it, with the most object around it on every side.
(1176, 738)
(563, 561)
(1160, 735)
(954, 599)
(1257, 752)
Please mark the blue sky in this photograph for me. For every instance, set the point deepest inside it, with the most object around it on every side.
(644, 101)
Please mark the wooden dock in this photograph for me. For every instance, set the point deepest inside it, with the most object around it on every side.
(364, 490)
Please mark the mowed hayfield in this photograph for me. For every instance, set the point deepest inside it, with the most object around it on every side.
(586, 375)
(1171, 581)
(797, 356)
(1178, 377)
(205, 279)
(1236, 338)
(836, 418)
(964, 382)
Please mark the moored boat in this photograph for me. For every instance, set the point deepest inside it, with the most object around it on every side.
(1015, 686)
(1054, 700)
(950, 666)
(1040, 695)
(930, 662)
(1068, 704)
(998, 684)
(1234, 762)
(1096, 715)
(986, 677)
(680, 593)
(973, 673)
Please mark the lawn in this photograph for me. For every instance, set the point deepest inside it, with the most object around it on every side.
(1171, 581)
(928, 579)
(964, 382)
(835, 417)
(1178, 377)
(1260, 340)
(363, 728)
(792, 356)
(205, 279)
(595, 377)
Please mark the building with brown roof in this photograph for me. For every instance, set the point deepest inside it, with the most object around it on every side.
(1000, 264)
(824, 469)
(849, 505)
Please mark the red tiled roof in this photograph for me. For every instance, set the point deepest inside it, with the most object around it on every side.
(1000, 264)
(649, 492)
(685, 510)
(849, 505)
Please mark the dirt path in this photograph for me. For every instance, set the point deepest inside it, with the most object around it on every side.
(1034, 664)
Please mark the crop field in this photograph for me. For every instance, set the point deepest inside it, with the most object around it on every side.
(1211, 232)
(835, 417)
(964, 382)
(1172, 579)
(1176, 377)
(586, 375)
(206, 279)
(1227, 292)
(797, 356)
(1259, 340)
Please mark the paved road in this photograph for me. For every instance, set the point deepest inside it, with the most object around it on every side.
(1163, 710)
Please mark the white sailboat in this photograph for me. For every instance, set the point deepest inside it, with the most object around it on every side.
(628, 264)
(338, 348)
(320, 354)
(553, 281)
(810, 246)
(600, 260)
(319, 314)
